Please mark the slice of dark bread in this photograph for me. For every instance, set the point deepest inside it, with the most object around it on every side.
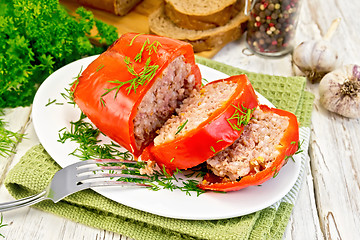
(202, 15)
(201, 40)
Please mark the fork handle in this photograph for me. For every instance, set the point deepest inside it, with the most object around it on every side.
(23, 202)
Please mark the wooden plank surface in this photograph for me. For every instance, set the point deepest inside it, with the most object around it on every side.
(328, 205)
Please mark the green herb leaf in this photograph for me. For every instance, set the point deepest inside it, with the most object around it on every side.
(139, 79)
(8, 139)
(181, 127)
(2, 225)
(37, 38)
(241, 116)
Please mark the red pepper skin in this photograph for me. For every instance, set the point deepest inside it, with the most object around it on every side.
(210, 137)
(114, 115)
(287, 147)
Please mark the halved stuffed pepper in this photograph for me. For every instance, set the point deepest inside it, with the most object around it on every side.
(271, 136)
(207, 122)
(131, 89)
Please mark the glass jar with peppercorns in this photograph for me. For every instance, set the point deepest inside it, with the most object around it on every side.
(272, 25)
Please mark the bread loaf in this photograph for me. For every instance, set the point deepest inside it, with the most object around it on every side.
(118, 7)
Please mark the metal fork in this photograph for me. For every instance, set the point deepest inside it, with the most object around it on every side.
(80, 176)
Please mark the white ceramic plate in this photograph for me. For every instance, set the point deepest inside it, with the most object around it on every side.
(48, 120)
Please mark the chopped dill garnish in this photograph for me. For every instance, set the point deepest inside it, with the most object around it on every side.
(138, 56)
(212, 149)
(242, 116)
(132, 40)
(220, 140)
(90, 147)
(100, 67)
(8, 139)
(50, 102)
(181, 127)
(86, 135)
(204, 80)
(2, 225)
(191, 186)
(75, 83)
(276, 173)
(68, 95)
(299, 147)
(153, 47)
(299, 150)
(139, 79)
(69, 92)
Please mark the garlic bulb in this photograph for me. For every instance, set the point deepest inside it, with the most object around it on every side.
(340, 91)
(315, 58)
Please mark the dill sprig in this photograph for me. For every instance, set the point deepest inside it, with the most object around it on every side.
(68, 95)
(181, 127)
(8, 139)
(204, 81)
(140, 78)
(241, 115)
(132, 40)
(2, 225)
(163, 180)
(138, 56)
(276, 172)
(86, 135)
(299, 150)
(90, 147)
(50, 102)
(153, 47)
(100, 67)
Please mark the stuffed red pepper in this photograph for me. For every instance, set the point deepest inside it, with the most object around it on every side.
(131, 89)
(271, 136)
(211, 119)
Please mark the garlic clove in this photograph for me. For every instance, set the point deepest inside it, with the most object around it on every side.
(340, 91)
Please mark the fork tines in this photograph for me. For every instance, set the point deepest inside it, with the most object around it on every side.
(95, 171)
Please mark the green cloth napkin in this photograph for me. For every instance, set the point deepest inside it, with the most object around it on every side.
(35, 169)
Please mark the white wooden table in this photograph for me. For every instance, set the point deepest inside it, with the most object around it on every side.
(328, 205)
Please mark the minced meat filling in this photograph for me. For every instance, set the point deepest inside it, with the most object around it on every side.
(160, 102)
(196, 109)
(254, 150)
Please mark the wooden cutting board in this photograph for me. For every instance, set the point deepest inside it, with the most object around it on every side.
(135, 21)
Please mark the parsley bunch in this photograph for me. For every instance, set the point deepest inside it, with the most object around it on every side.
(36, 38)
